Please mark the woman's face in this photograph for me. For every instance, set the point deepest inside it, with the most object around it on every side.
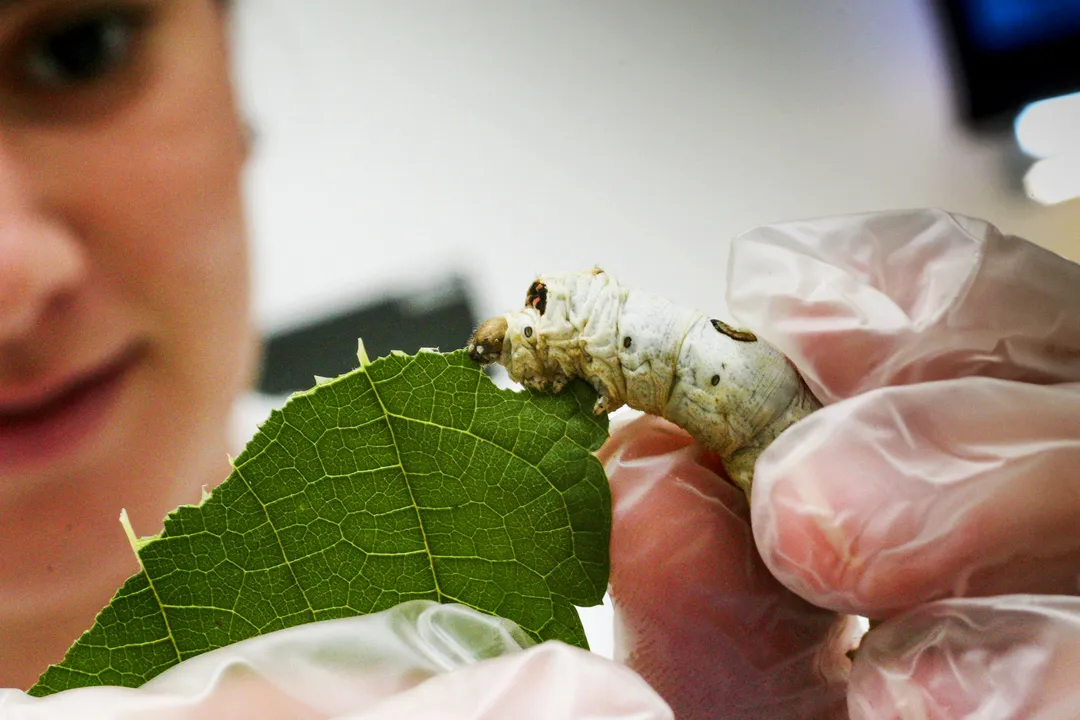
(124, 329)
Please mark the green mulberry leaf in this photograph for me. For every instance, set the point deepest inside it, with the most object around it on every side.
(412, 477)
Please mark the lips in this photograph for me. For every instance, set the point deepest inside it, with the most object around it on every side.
(51, 424)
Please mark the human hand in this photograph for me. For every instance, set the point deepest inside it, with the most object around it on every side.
(948, 357)
(416, 660)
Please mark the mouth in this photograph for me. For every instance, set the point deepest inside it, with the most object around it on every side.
(486, 344)
(55, 423)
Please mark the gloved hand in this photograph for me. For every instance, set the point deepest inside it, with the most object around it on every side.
(937, 488)
(417, 660)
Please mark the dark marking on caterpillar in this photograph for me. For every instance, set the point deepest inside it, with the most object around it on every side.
(537, 297)
(627, 342)
(715, 380)
(740, 335)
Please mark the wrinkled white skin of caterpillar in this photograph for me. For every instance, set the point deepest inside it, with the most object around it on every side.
(668, 369)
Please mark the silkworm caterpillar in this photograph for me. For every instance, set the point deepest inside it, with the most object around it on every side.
(733, 392)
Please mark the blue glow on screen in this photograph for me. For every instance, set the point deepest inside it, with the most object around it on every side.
(1001, 25)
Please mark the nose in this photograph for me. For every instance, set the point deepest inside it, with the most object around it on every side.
(41, 263)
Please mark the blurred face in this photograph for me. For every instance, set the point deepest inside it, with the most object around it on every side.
(124, 331)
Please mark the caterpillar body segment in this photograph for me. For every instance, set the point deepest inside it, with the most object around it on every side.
(732, 392)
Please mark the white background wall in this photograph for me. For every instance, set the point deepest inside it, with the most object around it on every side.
(403, 139)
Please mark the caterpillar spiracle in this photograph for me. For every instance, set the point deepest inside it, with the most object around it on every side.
(730, 391)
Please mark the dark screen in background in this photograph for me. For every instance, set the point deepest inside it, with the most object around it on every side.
(1004, 25)
(1009, 53)
(326, 346)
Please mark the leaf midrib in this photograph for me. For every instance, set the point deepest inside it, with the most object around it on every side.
(408, 486)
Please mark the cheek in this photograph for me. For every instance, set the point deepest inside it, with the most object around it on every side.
(175, 245)
(181, 237)
(158, 204)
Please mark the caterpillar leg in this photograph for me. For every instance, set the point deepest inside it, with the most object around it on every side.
(536, 383)
(607, 399)
(559, 384)
(740, 466)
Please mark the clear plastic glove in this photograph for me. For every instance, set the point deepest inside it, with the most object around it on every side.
(417, 660)
(944, 466)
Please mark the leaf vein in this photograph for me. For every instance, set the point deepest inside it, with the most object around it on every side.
(408, 486)
(164, 615)
(277, 538)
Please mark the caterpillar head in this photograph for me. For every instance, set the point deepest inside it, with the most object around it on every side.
(511, 340)
(513, 336)
(543, 344)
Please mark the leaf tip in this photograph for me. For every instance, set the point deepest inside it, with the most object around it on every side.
(135, 542)
(361, 353)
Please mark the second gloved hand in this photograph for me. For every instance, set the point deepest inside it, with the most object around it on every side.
(419, 659)
(938, 488)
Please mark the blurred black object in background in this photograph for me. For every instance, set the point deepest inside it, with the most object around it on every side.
(1008, 53)
(441, 318)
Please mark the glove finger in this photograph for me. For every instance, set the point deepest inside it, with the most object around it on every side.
(991, 659)
(698, 614)
(865, 301)
(909, 494)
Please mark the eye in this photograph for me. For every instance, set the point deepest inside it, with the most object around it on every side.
(715, 380)
(627, 342)
(80, 50)
(527, 331)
